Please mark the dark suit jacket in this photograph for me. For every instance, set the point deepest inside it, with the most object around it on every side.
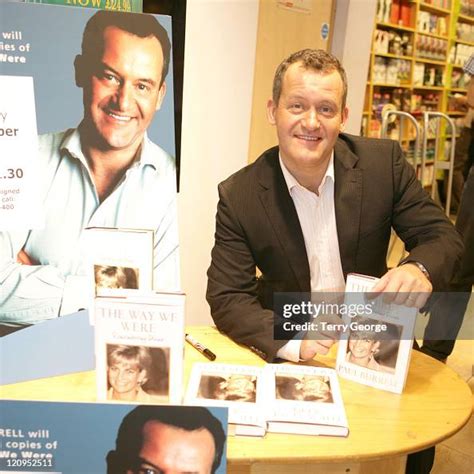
(257, 225)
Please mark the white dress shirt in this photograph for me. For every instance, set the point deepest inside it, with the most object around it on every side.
(317, 217)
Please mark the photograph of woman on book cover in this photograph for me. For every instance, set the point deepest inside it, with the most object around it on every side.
(307, 388)
(137, 373)
(374, 350)
(234, 387)
(107, 276)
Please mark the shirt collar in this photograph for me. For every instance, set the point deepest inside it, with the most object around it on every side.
(291, 181)
(72, 144)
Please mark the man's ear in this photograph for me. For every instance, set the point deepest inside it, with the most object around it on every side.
(79, 70)
(345, 115)
(161, 96)
(271, 108)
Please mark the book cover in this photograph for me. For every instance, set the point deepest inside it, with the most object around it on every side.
(240, 388)
(304, 400)
(118, 259)
(375, 347)
(139, 348)
(273, 398)
(93, 438)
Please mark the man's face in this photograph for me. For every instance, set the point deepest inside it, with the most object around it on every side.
(171, 450)
(122, 90)
(308, 117)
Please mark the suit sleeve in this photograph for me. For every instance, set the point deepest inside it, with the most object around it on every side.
(232, 290)
(429, 237)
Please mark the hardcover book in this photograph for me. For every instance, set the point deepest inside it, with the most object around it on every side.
(375, 349)
(139, 348)
(118, 259)
(274, 398)
(79, 438)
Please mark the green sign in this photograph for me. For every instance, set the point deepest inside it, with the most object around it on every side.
(117, 5)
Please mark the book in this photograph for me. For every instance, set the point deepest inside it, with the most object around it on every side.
(78, 438)
(375, 347)
(274, 398)
(118, 259)
(139, 347)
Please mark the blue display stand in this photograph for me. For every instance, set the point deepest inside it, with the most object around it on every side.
(56, 347)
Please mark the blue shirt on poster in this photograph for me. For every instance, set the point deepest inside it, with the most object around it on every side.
(145, 198)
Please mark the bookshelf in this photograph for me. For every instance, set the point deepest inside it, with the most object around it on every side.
(418, 50)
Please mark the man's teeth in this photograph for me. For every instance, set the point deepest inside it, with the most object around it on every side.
(121, 118)
(313, 139)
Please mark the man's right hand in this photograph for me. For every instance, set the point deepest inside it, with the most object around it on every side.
(310, 347)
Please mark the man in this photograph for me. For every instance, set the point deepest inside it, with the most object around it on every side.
(105, 173)
(315, 208)
(167, 439)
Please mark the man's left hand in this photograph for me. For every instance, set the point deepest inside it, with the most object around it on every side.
(405, 285)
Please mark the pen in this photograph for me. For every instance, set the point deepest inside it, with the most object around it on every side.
(198, 346)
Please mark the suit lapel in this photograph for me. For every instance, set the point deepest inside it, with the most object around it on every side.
(348, 204)
(281, 212)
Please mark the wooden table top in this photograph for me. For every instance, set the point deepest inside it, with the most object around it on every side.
(435, 404)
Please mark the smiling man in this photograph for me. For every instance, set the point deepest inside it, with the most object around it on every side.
(104, 173)
(318, 206)
(315, 208)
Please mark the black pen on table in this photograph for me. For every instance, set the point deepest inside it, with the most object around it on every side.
(198, 346)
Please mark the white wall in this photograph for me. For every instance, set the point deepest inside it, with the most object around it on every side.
(218, 84)
(352, 36)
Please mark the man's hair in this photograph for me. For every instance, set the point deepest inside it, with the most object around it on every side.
(139, 25)
(130, 434)
(315, 59)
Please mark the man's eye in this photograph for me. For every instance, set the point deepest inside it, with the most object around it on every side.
(143, 87)
(296, 107)
(326, 110)
(110, 77)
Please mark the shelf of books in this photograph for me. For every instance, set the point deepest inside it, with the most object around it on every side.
(418, 50)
